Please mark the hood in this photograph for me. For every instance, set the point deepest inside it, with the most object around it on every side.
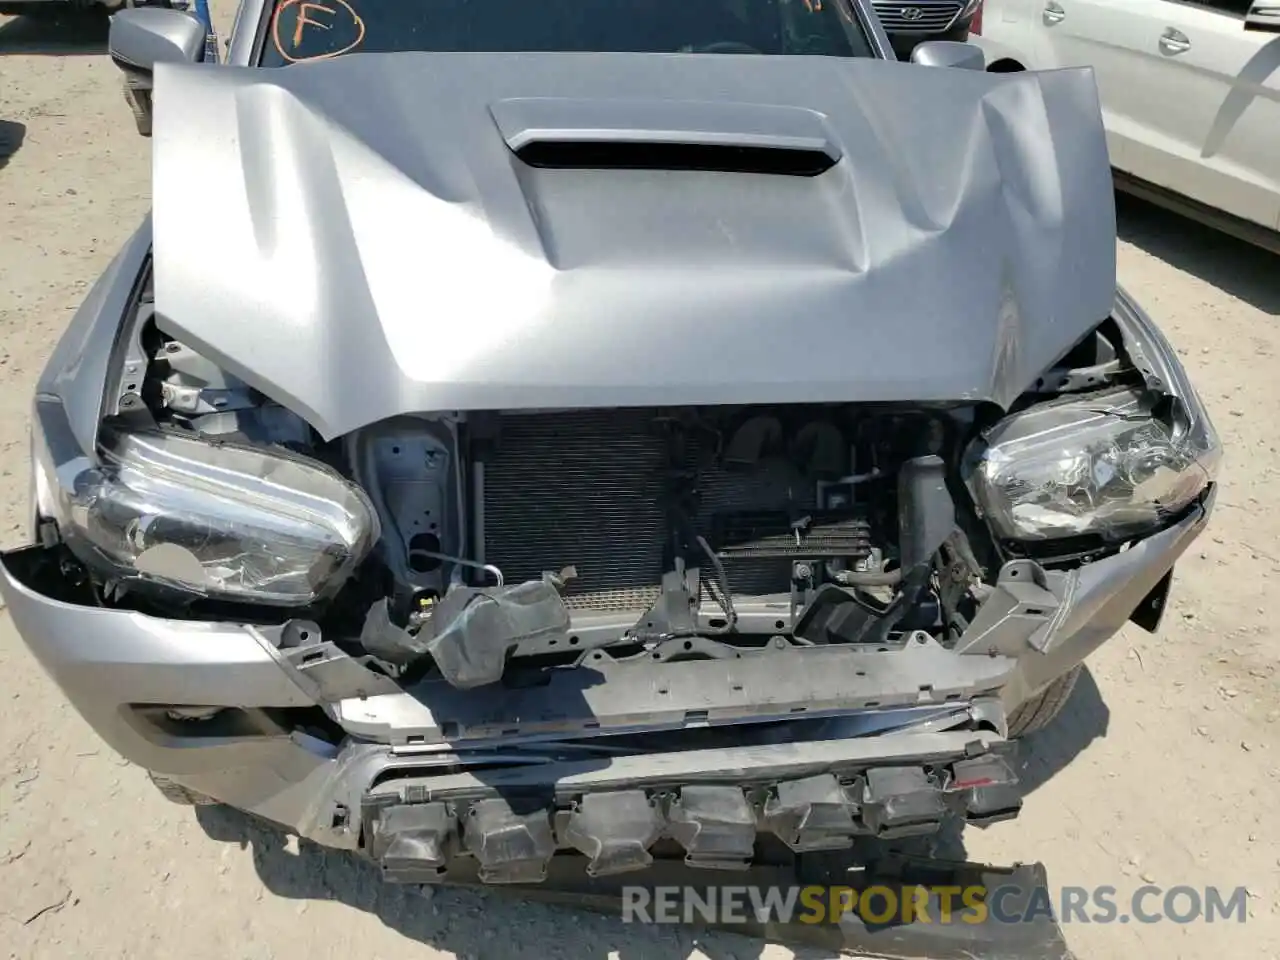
(396, 233)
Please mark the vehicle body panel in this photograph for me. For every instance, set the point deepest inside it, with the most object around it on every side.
(1222, 104)
(378, 248)
(1190, 99)
(361, 232)
(293, 779)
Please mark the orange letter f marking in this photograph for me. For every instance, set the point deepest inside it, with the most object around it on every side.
(304, 20)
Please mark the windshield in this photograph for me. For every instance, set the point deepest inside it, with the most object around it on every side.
(318, 29)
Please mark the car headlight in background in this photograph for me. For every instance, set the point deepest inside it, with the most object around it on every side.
(1105, 464)
(215, 519)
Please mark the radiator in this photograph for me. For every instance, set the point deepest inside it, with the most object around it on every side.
(582, 489)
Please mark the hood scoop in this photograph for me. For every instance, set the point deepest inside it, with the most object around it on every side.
(561, 133)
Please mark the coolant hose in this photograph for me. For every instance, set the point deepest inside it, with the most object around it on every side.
(868, 578)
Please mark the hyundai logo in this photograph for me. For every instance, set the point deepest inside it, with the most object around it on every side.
(912, 13)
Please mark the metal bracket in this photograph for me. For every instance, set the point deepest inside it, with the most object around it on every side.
(1021, 612)
(1037, 937)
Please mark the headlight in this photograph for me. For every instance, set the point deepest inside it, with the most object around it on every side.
(1105, 464)
(216, 519)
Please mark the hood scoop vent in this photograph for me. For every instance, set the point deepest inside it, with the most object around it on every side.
(667, 135)
(630, 155)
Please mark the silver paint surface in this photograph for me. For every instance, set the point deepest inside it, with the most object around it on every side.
(377, 248)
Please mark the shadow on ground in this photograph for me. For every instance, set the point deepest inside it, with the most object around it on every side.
(464, 922)
(499, 925)
(1042, 755)
(12, 134)
(59, 32)
(1233, 266)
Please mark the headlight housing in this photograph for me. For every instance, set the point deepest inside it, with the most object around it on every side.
(1113, 465)
(215, 519)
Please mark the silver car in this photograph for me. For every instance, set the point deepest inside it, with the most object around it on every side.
(624, 428)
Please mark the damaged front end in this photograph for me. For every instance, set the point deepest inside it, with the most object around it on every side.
(626, 633)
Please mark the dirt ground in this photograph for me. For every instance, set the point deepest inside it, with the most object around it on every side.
(1164, 769)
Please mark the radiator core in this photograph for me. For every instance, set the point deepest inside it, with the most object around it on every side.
(584, 489)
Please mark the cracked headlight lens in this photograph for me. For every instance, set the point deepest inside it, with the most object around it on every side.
(216, 519)
(1110, 465)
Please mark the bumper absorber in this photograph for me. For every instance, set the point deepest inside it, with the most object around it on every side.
(715, 825)
(812, 814)
(718, 825)
(614, 831)
(902, 802)
(988, 788)
(414, 842)
(512, 847)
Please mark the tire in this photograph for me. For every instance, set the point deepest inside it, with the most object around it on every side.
(1006, 65)
(1038, 712)
(176, 793)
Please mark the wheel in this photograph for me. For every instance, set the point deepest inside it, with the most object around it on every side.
(176, 793)
(1038, 712)
(1006, 65)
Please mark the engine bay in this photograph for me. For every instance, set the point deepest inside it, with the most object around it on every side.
(536, 536)
(725, 528)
